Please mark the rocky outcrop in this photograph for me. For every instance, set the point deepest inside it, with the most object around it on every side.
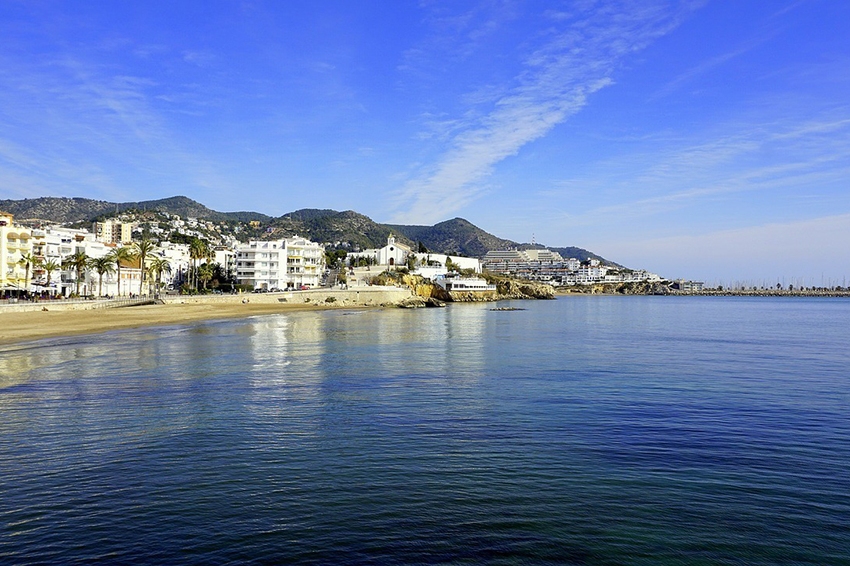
(413, 302)
(506, 288)
(643, 288)
(632, 288)
(522, 289)
(473, 296)
(416, 302)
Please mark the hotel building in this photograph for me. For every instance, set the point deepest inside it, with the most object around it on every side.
(280, 264)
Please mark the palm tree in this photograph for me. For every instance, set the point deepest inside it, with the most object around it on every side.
(142, 250)
(198, 249)
(158, 266)
(205, 274)
(78, 261)
(117, 256)
(27, 260)
(102, 265)
(49, 267)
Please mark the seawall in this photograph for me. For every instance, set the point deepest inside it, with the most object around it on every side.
(372, 296)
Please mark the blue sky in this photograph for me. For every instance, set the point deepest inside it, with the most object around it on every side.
(698, 139)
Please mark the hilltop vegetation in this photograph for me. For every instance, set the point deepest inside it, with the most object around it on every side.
(348, 230)
(70, 210)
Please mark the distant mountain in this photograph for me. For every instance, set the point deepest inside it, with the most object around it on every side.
(347, 229)
(456, 236)
(68, 210)
(582, 254)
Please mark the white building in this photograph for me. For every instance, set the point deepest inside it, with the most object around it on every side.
(179, 259)
(113, 232)
(543, 255)
(15, 243)
(280, 264)
(394, 253)
(226, 258)
(509, 256)
(688, 286)
(464, 284)
(461, 262)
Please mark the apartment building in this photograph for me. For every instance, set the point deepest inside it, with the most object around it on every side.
(16, 242)
(113, 232)
(290, 263)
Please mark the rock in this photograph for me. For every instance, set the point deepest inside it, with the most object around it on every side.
(521, 289)
(413, 302)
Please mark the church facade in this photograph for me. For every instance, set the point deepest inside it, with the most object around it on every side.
(394, 253)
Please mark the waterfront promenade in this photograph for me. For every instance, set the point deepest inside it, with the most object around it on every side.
(21, 322)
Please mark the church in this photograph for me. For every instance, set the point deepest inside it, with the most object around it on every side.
(394, 253)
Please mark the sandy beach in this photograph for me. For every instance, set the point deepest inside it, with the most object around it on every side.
(33, 325)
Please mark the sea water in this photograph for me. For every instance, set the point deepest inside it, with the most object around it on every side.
(586, 430)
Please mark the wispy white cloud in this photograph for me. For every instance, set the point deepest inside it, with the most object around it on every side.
(810, 248)
(748, 165)
(203, 59)
(712, 63)
(577, 59)
(790, 7)
(86, 128)
(699, 70)
(752, 170)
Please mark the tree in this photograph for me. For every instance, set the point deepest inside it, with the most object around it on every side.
(78, 261)
(142, 250)
(27, 260)
(422, 249)
(49, 267)
(205, 273)
(158, 266)
(101, 265)
(218, 275)
(335, 259)
(450, 265)
(198, 249)
(117, 256)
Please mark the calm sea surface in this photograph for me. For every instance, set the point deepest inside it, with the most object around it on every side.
(587, 430)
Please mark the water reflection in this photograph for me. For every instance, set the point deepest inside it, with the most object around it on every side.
(432, 432)
(311, 365)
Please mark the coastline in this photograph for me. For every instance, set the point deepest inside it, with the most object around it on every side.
(28, 326)
(599, 290)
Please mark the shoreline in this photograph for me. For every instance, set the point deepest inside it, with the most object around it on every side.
(26, 323)
(31, 325)
(28, 326)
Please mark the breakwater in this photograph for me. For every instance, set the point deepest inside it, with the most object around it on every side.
(767, 293)
(661, 288)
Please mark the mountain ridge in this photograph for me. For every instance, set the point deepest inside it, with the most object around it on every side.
(79, 209)
(341, 229)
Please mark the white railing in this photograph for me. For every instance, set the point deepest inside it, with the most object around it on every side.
(90, 303)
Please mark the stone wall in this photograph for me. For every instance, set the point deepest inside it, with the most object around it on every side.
(359, 296)
(70, 305)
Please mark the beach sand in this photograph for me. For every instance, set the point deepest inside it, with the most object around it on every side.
(25, 326)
